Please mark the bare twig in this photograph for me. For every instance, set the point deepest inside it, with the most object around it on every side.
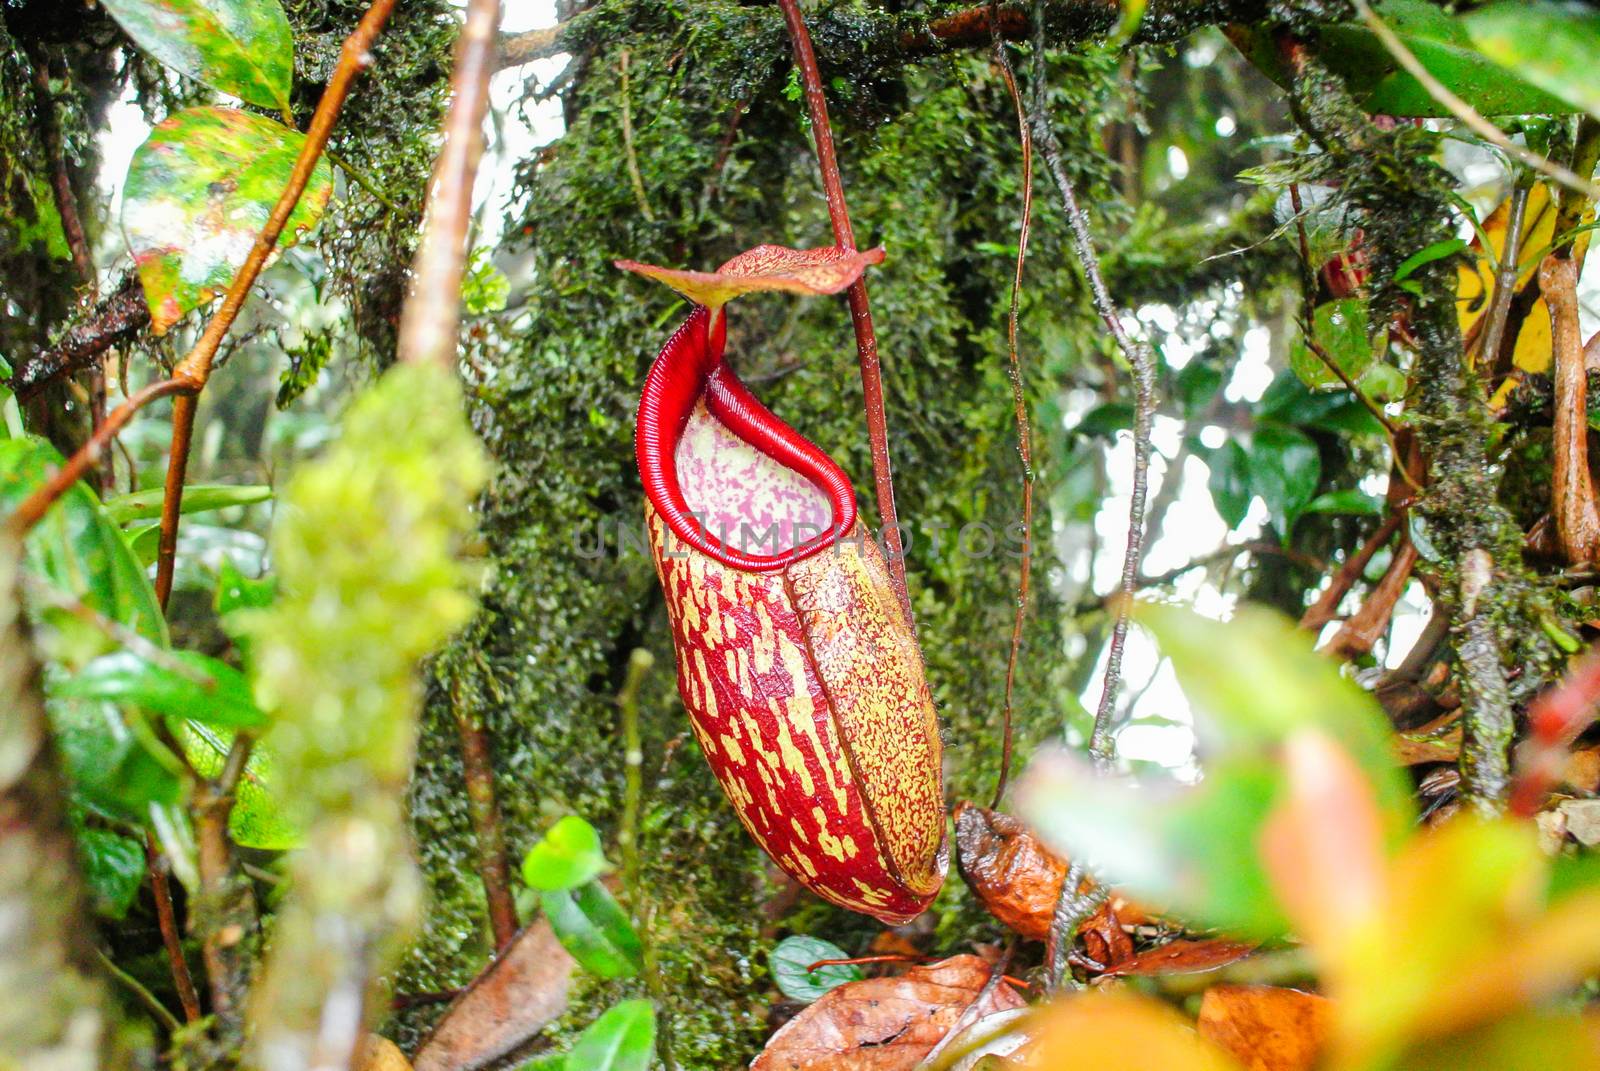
(1140, 360)
(116, 319)
(1074, 906)
(167, 920)
(60, 179)
(1464, 111)
(860, 310)
(1327, 605)
(147, 999)
(1505, 283)
(1019, 399)
(627, 141)
(430, 321)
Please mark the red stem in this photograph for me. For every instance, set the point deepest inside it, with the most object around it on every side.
(805, 59)
(167, 918)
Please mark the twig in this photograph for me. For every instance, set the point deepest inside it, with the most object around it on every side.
(168, 1021)
(1327, 605)
(805, 59)
(429, 333)
(120, 316)
(1228, 553)
(60, 179)
(167, 920)
(429, 327)
(1019, 399)
(1101, 745)
(1506, 272)
(362, 179)
(1464, 111)
(1073, 909)
(627, 142)
(194, 370)
(225, 912)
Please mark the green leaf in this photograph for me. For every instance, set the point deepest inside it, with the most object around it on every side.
(198, 192)
(1437, 251)
(1551, 45)
(1198, 384)
(567, 857)
(592, 926)
(485, 288)
(623, 1039)
(76, 548)
(113, 869)
(182, 684)
(242, 47)
(111, 769)
(794, 954)
(1284, 470)
(1440, 42)
(146, 505)
(1340, 327)
(1105, 420)
(1348, 502)
(1255, 679)
(1229, 482)
(257, 819)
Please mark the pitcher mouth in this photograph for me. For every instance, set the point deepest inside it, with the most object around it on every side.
(690, 370)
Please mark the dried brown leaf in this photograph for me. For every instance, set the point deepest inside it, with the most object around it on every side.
(510, 1002)
(885, 1024)
(829, 270)
(1266, 1028)
(1183, 957)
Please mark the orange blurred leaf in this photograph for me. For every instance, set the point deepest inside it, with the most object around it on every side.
(1183, 957)
(1265, 1027)
(828, 270)
(1117, 1031)
(886, 1024)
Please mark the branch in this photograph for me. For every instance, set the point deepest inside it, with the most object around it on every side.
(805, 58)
(115, 320)
(60, 179)
(1141, 361)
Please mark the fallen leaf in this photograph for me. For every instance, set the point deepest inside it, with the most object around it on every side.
(1183, 957)
(1098, 1031)
(828, 270)
(885, 1024)
(378, 1053)
(1437, 741)
(505, 1007)
(1266, 1028)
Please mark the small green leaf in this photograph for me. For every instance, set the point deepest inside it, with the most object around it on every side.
(623, 1039)
(1346, 502)
(1285, 468)
(1230, 482)
(1105, 420)
(1549, 44)
(1340, 328)
(485, 288)
(794, 954)
(113, 869)
(567, 857)
(146, 505)
(182, 684)
(1437, 251)
(242, 47)
(1198, 386)
(110, 768)
(198, 192)
(592, 926)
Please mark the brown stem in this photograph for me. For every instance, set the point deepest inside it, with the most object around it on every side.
(183, 411)
(1327, 605)
(225, 914)
(430, 322)
(1363, 628)
(60, 179)
(1505, 282)
(167, 919)
(805, 59)
(477, 767)
(1573, 503)
(195, 368)
(1140, 360)
(1019, 399)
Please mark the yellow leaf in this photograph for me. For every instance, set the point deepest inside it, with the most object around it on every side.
(1098, 1031)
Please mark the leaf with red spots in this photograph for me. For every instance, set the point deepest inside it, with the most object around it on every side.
(199, 190)
(828, 270)
(887, 1024)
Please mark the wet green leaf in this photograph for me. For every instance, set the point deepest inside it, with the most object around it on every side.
(1106, 419)
(113, 869)
(146, 505)
(1230, 482)
(111, 769)
(1340, 328)
(257, 819)
(592, 926)
(198, 192)
(794, 954)
(1346, 501)
(567, 857)
(623, 1039)
(76, 548)
(180, 684)
(1552, 45)
(1284, 470)
(242, 47)
(1198, 385)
